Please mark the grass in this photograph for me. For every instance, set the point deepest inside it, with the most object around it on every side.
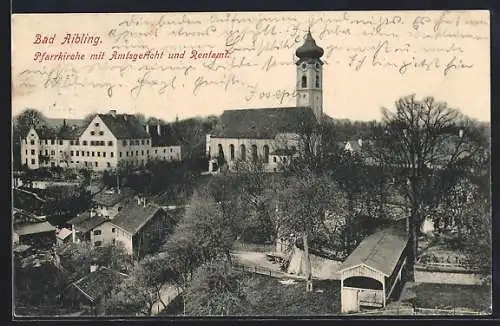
(449, 296)
(268, 297)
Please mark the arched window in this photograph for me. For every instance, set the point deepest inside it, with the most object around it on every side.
(254, 153)
(317, 81)
(243, 152)
(304, 82)
(221, 151)
(266, 154)
(231, 149)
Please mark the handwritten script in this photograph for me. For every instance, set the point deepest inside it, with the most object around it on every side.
(258, 62)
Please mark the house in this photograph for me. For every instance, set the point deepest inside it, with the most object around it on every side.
(108, 141)
(138, 226)
(63, 236)
(29, 229)
(91, 291)
(108, 203)
(263, 135)
(164, 144)
(83, 224)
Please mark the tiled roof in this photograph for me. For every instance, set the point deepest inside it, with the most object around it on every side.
(70, 133)
(167, 136)
(63, 233)
(84, 223)
(98, 283)
(111, 197)
(133, 216)
(380, 251)
(33, 228)
(124, 126)
(265, 123)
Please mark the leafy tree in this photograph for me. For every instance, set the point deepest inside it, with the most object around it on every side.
(216, 290)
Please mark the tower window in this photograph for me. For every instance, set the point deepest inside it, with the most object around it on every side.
(304, 82)
(231, 149)
(317, 81)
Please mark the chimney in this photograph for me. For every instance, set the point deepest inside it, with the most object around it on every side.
(113, 113)
(360, 142)
(147, 128)
(158, 129)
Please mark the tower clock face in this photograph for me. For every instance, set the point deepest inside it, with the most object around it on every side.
(304, 66)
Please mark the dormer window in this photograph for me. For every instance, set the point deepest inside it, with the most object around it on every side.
(96, 124)
(92, 133)
(101, 133)
(304, 66)
(304, 82)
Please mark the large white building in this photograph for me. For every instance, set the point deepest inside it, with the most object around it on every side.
(109, 141)
(272, 135)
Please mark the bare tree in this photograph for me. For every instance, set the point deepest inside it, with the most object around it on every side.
(425, 139)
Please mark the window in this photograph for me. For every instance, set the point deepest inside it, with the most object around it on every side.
(26, 161)
(33, 161)
(142, 153)
(97, 243)
(46, 141)
(92, 143)
(92, 133)
(142, 142)
(71, 142)
(110, 143)
(96, 164)
(113, 154)
(85, 163)
(109, 165)
(113, 230)
(32, 142)
(304, 82)
(60, 152)
(77, 153)
(120, 154)
(40, 153)
(317, 81)
(114, 241)
(221, 151)
(77, 142)
(72, 162)
(93, 153)
(96, 124)
(83, 153)
(171, 150)
(103, 154)
(124, 143)
(147, 152)
(71, 153)
(77, 162)
(46, 152)
(147, 141)
(254, 153)
(99, 154)
(156, 151)
(60, 142)
(136, 153)
(52, 153)
(32, 152)
(274, 159)
(97, 232)
(266, 154)
(164, 150)
(101, 133)
(26, 151)
(84, 143)
(243, 152)
(88, 153)
(52, 141)
(126, 153)
(231, 151)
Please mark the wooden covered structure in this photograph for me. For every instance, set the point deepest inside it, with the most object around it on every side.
(370, 274)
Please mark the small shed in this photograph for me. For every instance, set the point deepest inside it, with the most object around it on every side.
(370, 273)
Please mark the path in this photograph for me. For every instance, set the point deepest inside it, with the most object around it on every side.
(168, 293)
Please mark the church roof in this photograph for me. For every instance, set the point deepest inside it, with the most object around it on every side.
(309, 49)
(265, 123)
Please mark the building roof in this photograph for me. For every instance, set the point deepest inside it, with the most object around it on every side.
(84, 223)
(166, 137)
(132, 217)
(98, 283)
(265, 123)
(380, 251)
(112, 197)
(354, 145)
(63, 233)
(34, 228)
(124, 126)
(309, 50)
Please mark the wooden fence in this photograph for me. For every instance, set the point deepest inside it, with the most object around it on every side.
(416, 311)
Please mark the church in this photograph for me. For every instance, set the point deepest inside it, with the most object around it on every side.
(271, 136)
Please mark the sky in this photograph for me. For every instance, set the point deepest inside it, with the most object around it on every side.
(70, 65)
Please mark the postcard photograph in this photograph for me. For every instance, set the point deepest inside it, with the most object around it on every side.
(319, 164)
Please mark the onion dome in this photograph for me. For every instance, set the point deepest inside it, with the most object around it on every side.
(309, 50)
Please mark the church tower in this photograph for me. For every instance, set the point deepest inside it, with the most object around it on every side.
(310, 76)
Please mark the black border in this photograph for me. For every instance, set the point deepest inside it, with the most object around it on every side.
(112, 6)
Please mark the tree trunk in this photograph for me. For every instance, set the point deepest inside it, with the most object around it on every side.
(309, 285)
